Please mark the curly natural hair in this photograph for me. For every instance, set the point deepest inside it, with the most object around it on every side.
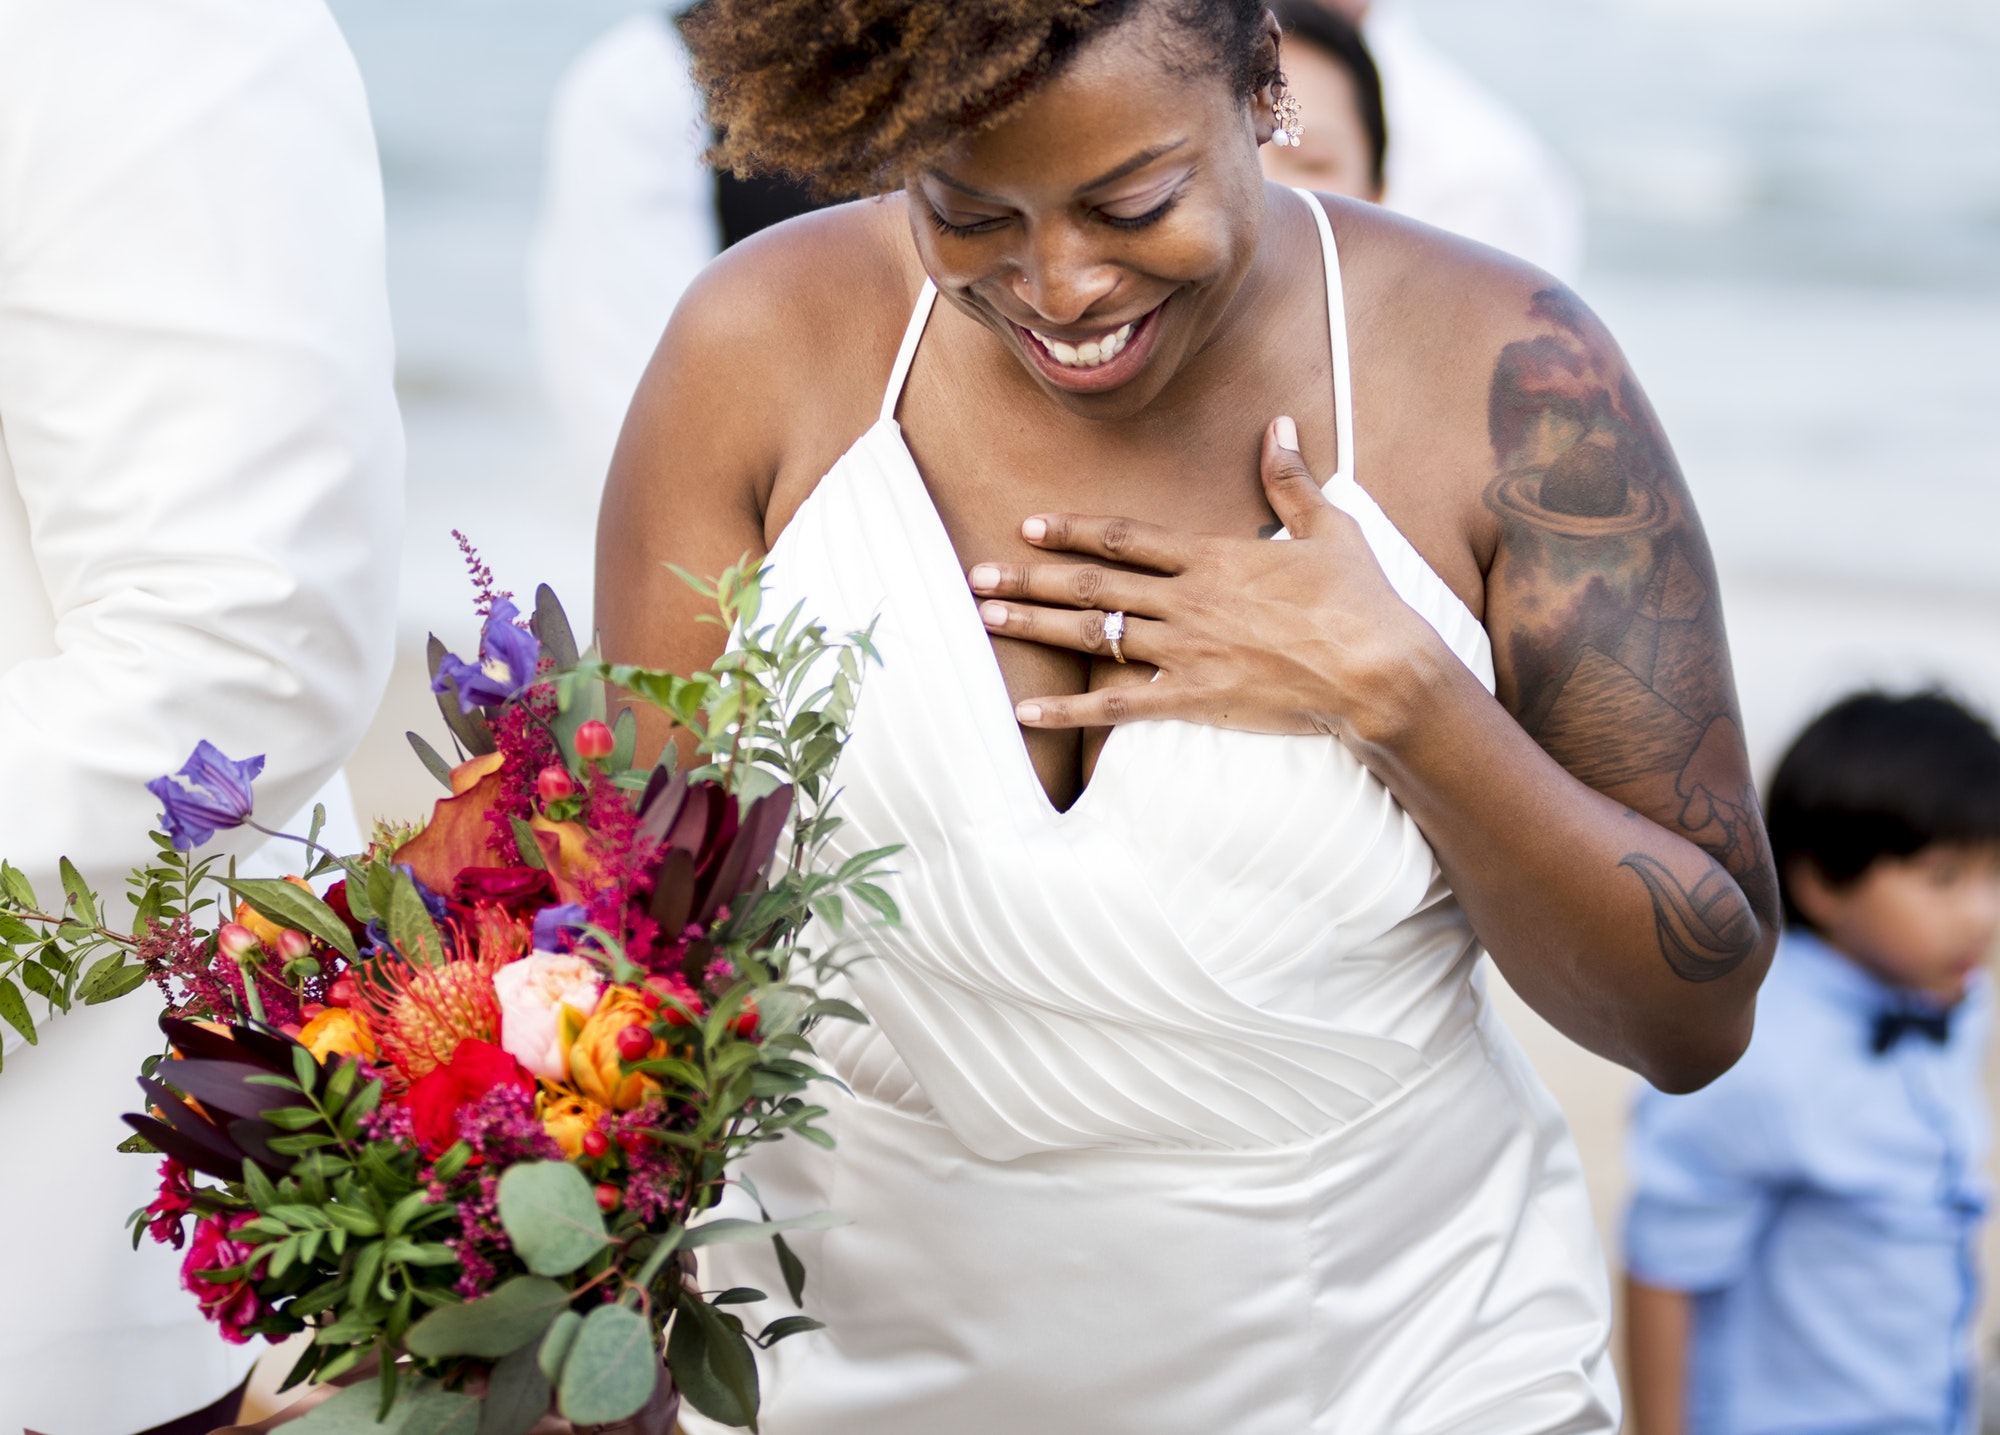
(847, 95)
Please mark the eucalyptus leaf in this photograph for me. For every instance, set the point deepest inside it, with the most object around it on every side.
(731, 1229)
(431, 758)
(554, 1349)
(441, 1412)
(517, 1395)
(353, 1412)
(492, 1326)
(612, 1368)
(550, 1214)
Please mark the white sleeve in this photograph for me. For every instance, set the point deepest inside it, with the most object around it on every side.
(627, 220)
(197, 408)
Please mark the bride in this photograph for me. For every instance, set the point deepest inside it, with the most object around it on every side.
(1183, 1111)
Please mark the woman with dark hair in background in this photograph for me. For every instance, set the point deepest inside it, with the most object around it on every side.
(1345, 150)
(1183, 1109)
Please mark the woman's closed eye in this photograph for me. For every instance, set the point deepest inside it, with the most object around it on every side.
(1147, 208)
(965, 228)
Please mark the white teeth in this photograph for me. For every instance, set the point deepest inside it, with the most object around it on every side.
(1092, 352)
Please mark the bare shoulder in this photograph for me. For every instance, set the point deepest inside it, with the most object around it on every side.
(778, 351)
(771, 365)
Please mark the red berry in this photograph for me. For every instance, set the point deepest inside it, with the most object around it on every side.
(595, 1143)
(632, 1141)
(344, 991)
(635, 1043)
(594, 741)
(744, 1023)
(608, 1196)
(553, 783)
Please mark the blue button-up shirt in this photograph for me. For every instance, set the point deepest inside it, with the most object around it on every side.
(1822, 1204)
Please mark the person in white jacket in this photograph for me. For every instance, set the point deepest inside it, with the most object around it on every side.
(200, 509)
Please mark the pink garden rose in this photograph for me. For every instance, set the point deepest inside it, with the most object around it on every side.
(533, 992)
(233, 1304)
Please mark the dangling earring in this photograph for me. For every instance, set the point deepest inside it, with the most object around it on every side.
(1285, 110)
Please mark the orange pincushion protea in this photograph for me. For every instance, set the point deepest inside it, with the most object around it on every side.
(419, 1015)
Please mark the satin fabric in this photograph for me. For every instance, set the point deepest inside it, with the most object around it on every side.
(1182, 1110)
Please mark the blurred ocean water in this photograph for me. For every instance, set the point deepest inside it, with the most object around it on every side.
(1795, 210)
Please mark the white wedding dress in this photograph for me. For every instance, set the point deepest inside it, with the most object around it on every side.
(1183, 1112)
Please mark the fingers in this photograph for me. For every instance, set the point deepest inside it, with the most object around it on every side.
(1107, 707)
(1081, 632)
(1293, 492)
(1125, 540)
(1074, 585)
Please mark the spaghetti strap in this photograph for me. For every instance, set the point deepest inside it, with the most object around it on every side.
(1336, 324)
(919, 316)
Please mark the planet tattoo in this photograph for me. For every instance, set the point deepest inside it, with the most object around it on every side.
(1584, 494)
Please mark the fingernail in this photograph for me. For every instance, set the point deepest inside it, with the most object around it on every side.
(1288, 433)
(984, 575)
(1029, 712)
(994, 614)
(1035, 530)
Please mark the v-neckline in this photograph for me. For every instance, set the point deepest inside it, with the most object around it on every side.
(965, 614)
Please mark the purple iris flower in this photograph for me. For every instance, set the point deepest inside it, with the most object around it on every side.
(211, 795)
(507, 659)
(554, 926)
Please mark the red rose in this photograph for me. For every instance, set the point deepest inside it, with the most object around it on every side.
(515, 888)
(336, 898)
(475, 1068)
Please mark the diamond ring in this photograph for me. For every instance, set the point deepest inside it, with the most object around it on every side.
(1114, 632)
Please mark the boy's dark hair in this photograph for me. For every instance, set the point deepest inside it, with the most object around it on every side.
(1880, 776)
(1313, 24)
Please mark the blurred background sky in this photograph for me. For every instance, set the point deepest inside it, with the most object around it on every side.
(1794, 231)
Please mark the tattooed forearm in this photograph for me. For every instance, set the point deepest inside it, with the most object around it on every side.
(1706, 931)
(1606, 626)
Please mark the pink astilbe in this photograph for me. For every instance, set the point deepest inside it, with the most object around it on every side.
(481, 574)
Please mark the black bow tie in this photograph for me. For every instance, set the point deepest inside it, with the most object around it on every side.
(1893, 1025)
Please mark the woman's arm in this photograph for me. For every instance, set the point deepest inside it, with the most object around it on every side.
(1657, 1322)
(1634, 905)
(1597, 821)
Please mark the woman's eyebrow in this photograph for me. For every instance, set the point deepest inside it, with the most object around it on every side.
(1138, 161)
(1116, 172)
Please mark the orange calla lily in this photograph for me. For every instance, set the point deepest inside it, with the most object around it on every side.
(459, 835)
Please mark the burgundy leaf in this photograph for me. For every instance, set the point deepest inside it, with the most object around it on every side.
(190, 1153)
(673, 893)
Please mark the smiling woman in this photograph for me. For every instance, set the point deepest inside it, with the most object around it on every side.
(1183, 1110)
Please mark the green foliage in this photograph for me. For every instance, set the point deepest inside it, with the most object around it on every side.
(68, 955)
(517, 1313)
(611, 1369)
(551, 1216)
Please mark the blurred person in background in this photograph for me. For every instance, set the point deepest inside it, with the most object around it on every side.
(1802, 1242)
(630, 213)
(1463, 160)
(1345, 143)
(200, 507)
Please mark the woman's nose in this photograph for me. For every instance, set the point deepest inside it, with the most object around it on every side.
(1060, 276)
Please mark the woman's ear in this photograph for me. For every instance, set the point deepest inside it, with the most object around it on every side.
(1265, 66)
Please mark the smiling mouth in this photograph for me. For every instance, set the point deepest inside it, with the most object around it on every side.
(1091, 352)
(1097, 364)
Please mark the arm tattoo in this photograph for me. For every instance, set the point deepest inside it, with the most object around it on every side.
(1613, 656)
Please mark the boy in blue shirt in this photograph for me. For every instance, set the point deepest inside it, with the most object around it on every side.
(1802, 1241)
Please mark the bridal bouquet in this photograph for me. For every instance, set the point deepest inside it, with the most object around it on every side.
(454, 1104)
